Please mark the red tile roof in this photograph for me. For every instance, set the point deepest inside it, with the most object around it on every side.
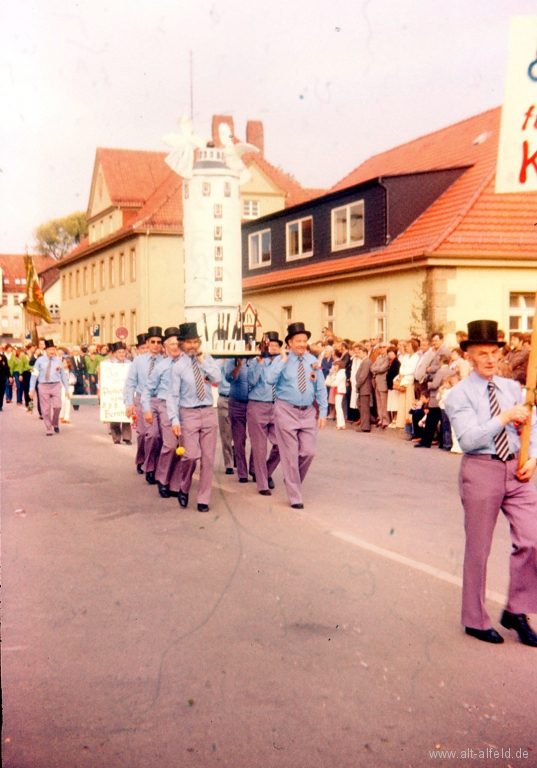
(13, 268)
(130, 175)
(468, 221)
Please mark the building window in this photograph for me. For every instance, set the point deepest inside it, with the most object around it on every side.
(16, 322)
(227, 189)
(217, 211)
(85, 280)
(111, 272)
(218, 253)
(287, 316)
(93, 236)
(121, 268)
(64, 291)
(379, 306)
(102, 329)
(122, 319)
(54, 311)
(70, 330)
(134, 326)
(78, 339)
(218, 233)
(4, 295)
(93, 277)
(219, 273)
(348, 226)
(133, 265)
(101, 275)
(299, 237)
(521, 311)
(77, 282)
(250, 209)
(5, 322)
(112, 327)
(259, 251)
(218, 294)
(110, 225)
(70, 285)
(206, 188)
(329, 315)
(85, 330)
(64, 330)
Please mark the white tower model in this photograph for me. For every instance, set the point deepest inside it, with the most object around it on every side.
(212, 233)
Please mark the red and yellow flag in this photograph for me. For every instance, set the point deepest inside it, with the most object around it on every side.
(35, 301)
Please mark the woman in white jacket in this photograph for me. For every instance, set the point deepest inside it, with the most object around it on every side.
(340, 385)
(409, 362)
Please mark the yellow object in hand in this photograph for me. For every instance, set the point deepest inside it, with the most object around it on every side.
(180, 450)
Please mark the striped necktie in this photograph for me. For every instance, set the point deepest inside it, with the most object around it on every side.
(501, 440)
(47, 372)
(301, 375)
(151, 366)
(200, 387)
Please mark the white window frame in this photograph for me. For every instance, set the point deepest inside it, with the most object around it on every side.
(329, 319)
(218, 274)
(219, 253)
(259, 234)
(218, 296)
(218, 210)
(301, 253)
(250, 209)
(380, 306)
(347, 243)
(522, 311)
(206, 188)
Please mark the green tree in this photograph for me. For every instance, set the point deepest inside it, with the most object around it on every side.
(59, 236)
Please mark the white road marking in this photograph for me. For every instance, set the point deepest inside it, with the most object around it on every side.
(423, 567)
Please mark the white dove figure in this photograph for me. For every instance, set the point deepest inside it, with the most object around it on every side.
(181, 159)
(234, 151)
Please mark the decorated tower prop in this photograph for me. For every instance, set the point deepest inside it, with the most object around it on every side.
(212, 234)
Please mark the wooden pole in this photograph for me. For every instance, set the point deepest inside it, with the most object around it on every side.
(531, 383)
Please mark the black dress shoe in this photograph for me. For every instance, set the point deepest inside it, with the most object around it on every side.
(252, 476)
(243, 479)
(487, 635)
(271, 483)
(203, 507)
(57, 430)
(519, 622)
(229, 471)
(139, 469)
(175, 494)
(183, 499)
(127, 442)
(297, 506)
(150, 478)
(420, 445)
(265, 493)
(163, 490)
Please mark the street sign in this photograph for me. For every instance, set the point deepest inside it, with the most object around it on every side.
(250, 318)
(95, 329)
(121, 332)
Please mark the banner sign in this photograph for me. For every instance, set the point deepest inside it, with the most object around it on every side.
(111, 381)
(517, 151)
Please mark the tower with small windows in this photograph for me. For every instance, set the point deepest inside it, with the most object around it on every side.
(212, 247)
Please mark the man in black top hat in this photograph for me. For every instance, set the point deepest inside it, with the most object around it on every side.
(485, 410)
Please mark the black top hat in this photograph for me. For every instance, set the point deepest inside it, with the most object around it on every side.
(482, 332)
(188, 331)
(273, 336)
(116, 346)
(155, 330)
(49, 343)
(112, 347)
(294, 329)
(141, 338)
(170, 332)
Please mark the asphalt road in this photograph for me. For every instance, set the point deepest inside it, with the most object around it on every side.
(140, 635)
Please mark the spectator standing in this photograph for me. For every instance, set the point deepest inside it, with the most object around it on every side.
(379, 370)
(518, 358)
(409, 362)
(340, 385)
(392, 373)
(364, 388)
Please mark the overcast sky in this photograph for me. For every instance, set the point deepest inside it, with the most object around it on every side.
(334, 82)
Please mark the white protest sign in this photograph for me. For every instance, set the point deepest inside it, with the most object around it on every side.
(517, 151)
(112, 379)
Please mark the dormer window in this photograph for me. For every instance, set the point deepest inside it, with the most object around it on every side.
(348, 226)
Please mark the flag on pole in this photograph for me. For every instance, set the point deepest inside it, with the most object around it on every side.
(35, 301)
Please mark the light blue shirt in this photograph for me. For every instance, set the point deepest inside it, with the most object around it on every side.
(223, 385)
(158, 384)
(183, 392)
(468, 408)
(259, 389)
(238, 386)
(56, 373)
(285, 376)
(137, 376)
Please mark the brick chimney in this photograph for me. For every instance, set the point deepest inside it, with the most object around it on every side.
(217, 119)
(255, 136)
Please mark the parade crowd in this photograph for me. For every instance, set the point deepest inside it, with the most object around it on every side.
(279, 394)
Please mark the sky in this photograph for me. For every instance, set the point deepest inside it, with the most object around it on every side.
(334, 82)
